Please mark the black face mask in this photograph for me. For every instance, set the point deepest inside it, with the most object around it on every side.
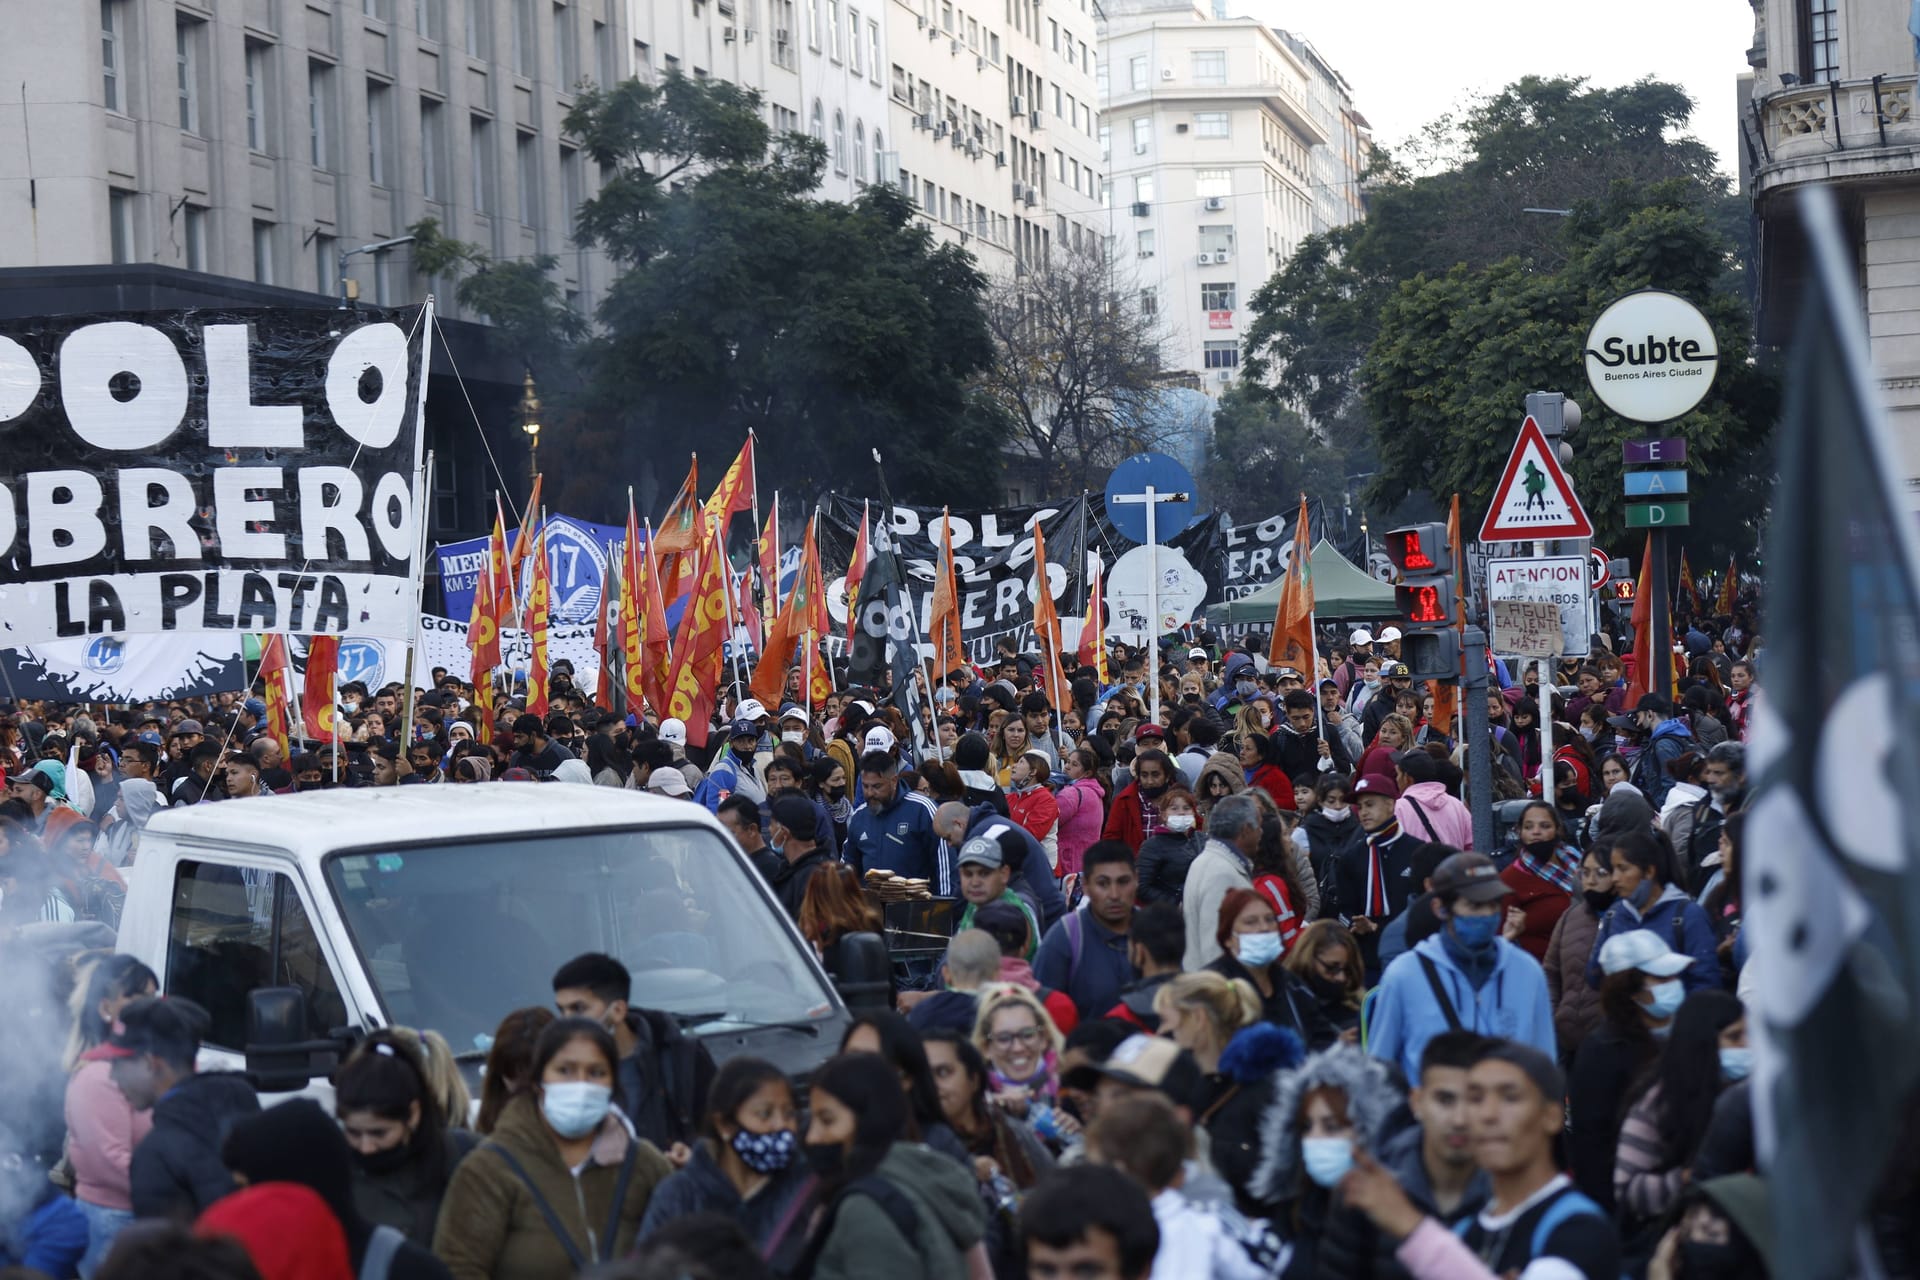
(1700, 1261)
(1598, 900)
(1326, 988)
(1541, 850)
(391, 1160)
(1153, 793)
(827, 1159)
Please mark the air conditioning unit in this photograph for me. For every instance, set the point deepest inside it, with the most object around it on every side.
(1214, 204)
(1146, 253)
(999, 159)
(748, 36)
(923, 122)
(1206, 259)
(973, 150)
(954, 50)
(1019, 190)
(782, 36)
(933, 33)
(1139, 148)
(940, 129)
(1033, 197)
(1222, 255)
(1141, 209)
(959, 140)
(1166, 73)
(727, 34)
(1035, 121)
(1019, 105)
(980, 62)
(1223, 375)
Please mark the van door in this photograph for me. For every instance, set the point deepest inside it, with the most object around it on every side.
(237, 927)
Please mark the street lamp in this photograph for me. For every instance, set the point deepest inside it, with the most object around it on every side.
(350, 289)
(530, 423)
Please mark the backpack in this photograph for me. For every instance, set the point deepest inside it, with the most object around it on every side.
(892, 1201)
(1571, 1204)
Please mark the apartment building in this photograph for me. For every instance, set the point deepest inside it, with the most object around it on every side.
(1337, 167)
(1211, 130)
(1833, 98)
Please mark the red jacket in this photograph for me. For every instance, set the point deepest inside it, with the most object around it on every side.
(1124, 821)
(1541, 901)
(1273, 780)
(1035, 809)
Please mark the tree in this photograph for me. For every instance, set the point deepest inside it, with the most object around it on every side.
(1457, 353)
(1261, 456)
(1075, 368)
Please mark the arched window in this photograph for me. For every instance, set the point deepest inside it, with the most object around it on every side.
(818, 125)
(839, 142)
(879, 169)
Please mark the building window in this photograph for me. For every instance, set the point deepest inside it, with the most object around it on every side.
(573, 189)
(1211, 124)
(1220, 355)
(859, 152)
(526, 161)
(813, 25)
(186, 60)
(1137, 72)
(112, 18)
(479, 28)
(120, 224)
(566, 46)
(320, 113)
(258, 98)
(433, 150)
(263, 252)
(1217, 297)
(381, 9)
(480, 141)
(1142, 134)
(195, 234)
(1820, 39)
(379, 132)
(523, 39)
(1143, 188)
(1149, 302)
(817, 123)
(643, 61)
(1216, 239)
(833, 29)
(430, 18)
(839, 142)
(1145, 243)
(1209, 66)
(879, 158)
(1209, 183)
(603, 68)
(853, 41)
(326, 265)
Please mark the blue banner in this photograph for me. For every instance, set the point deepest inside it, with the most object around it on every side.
(579, 554)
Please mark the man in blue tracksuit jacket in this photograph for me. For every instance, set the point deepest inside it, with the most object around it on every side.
(1488, 985)
(893, 830)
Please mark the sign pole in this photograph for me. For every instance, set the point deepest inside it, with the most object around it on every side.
(1473, 704)
(1153, 609)
(1545, 667)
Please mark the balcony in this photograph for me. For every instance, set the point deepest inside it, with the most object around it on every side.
(1837, 132)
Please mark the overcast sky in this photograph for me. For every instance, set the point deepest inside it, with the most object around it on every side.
(1409, 60)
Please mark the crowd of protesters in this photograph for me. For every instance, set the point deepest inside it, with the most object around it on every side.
(1230, 993)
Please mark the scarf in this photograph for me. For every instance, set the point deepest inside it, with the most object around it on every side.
(1376, 901)
(1150, 815)
(1561, 870)
(1042, 1085)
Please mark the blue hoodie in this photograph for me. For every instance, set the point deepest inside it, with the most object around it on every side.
(1681, 923)
(1512, 1004)
(1671, 739)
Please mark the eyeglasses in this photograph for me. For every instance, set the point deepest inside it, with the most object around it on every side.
(1008, 1039)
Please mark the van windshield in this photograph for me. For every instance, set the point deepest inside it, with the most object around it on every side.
(456, 936)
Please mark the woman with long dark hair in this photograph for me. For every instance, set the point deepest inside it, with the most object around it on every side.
(403, 1152)
(1706, 1052)
(509, 1062)
(887, 1035)
(888, 1207)
(1544, 877)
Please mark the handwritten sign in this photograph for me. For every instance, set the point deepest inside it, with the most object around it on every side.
(1527, 628)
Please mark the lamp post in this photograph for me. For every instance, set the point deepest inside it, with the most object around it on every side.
(350, 289)
(530, 423)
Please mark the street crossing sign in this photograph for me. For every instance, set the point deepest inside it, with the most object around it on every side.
(1534, 499)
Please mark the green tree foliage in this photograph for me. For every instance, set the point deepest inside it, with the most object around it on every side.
(1457, 352)
(1262, 456)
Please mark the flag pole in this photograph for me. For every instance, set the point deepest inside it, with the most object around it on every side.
(923, 661)
(653, 584)
(733, 624)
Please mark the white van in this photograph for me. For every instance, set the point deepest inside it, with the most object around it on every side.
(301, 922)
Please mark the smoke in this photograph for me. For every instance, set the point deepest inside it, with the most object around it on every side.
(35, 982)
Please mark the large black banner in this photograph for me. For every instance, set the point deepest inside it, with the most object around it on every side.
(210, 471)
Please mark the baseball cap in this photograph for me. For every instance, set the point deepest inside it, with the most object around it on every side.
(1642, 949)
(1471, 876)
(791, 712)
(169, 1026)
(1287, 673)
(982, 851)
(1396, 671)
(669, 782)
(1389, 634)
(674, 731)
(744, 728)
(1362, 636)
(150, 738)
(796, 814)
(188, 726)
(1376, 784)
(1148, 729)
(750, 709)
(1197, 652)
(255, 708)
(1145, 1062)
(879, 738)
(861, 705)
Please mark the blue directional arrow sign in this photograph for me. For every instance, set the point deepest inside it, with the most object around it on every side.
(1127, 488)
(1655, 484)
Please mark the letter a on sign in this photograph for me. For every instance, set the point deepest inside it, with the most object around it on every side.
(1534, 498)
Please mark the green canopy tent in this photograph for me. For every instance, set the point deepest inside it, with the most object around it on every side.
(1341, 590)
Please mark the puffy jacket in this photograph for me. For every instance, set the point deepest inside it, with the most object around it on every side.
(491, 1227)
(102, 1131)
(1576, 1006)
(1671, 739)
(1681, 924)
(1124, 821)
(176, 1168)
(1162, 865)
(703, 1187)
(1083, 810)
(1354, 1249)
(1037, 811)
(1276, 784)
(408, 1198)
(862, 1238)
(1540, 900)
(1511, 1005)
(1330, 844)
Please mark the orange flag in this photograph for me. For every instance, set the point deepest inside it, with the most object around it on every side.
(1642, 677)
(606, 626)
(316, 700)
(856, 569)
(770, 561)
(539, 609)
(276, 672)
(1093, 648)
(1046, 619)
(735, 492)
(944, 627)
(698, 658)
(818, 679)
(483, 625)
(523, 540)
(800, 624)
(633, 610)
(1292, 642)
(1728, 589)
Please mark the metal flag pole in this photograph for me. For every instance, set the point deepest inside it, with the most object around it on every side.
(653, 584)
(923, 660)
(419, 603)
(733, 625)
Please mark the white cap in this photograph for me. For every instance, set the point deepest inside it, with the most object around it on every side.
(749, 709)
(879, 738)
(1362, 636)
(1389, 635)
(674, 731)
(1645, 950)
(669, 782)
(1196, 652)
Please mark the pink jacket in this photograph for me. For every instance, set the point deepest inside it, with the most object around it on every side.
(1434, 1253)
(1083, 811)
(1451, 823)
(102, 1131)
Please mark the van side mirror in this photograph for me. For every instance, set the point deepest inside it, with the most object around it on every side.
(863, 972)
(279, 1057)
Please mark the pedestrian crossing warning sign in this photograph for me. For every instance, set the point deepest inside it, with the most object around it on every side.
(1534, 498)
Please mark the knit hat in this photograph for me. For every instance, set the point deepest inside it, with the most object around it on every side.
(288, 1231)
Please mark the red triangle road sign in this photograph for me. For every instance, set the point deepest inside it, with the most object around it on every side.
(1534, 499)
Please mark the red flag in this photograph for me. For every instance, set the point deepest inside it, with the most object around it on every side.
(483, 699)
(944, 626)
(605, 625)
(1292, 641)
(856, 569)
(735, 492)
(483, 625)
(633, 611)
(316, 699)
(523, 540)
(698, 658)
(539, 609)
(276, 671)
(817, 679)
(770, 560)
(1724, 605)
(1688, 592)
(1046, 619)
(1642, 677)
(1093, 648)
(800, 624)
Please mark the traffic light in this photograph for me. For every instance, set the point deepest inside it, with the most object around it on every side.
(1425, 598)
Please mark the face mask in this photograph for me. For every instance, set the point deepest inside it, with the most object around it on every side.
(1666, 998)
(826, 1159)
(1180, 823)
(1642, 896)
(1736, 1064)
(834, 793)
(1476, 933)
(1373, 683)
(1541, 850)
(765, 1152)
(792, 735)
(1703, 1261)
(1258, 950)
(1598, 900)
(1336, 813)
(1588, 732)
(575, 1108)
(391, 1160)
(1326, 1159)
(1245, 688)
(1153, 793)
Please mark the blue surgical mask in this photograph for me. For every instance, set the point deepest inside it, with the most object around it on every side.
(1666, 998)
(1736, 1064)
(1257, 950)
(1476, 933)
(1245, 688)
(1326, 1160)
(575, 1108)
(1642, 896)
(765, 1152)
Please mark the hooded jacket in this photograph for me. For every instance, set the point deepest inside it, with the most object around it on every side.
(1576, 1006)
(492, 1228)
(122, 838)
(1083, 810)
(1446, 820)
(662, 1085)
(862, 1240)
(1354, 1249)
(703, 1187)
(1670, 740)
(1297, 753)
(1124, 820)
(1681, 924)
(1222, 764)
(176, 1169)
(1512, 1004)
(1163, 862)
